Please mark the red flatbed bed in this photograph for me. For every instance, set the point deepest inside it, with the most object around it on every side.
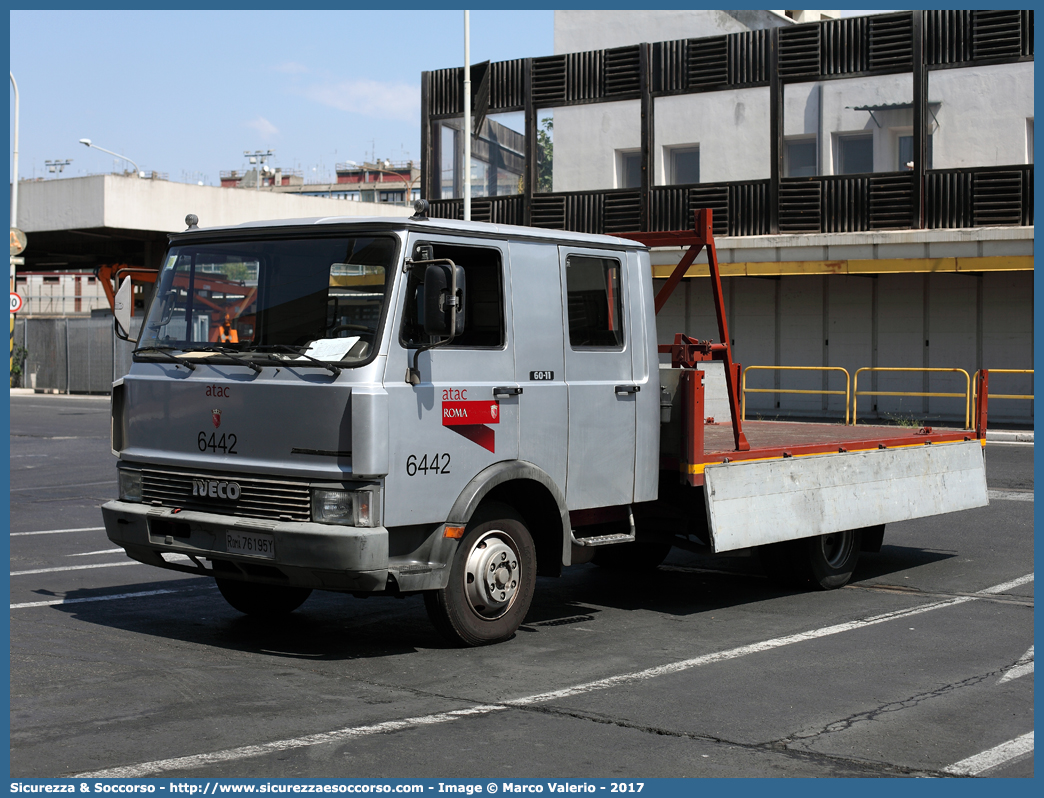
(772, 438)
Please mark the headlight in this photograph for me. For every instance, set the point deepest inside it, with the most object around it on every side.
(130, 485)
(347, 507)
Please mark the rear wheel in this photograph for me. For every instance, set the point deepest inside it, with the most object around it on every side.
(262, 600)
(825, 562)
(491, 581)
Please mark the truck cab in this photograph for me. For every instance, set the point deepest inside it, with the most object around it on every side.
(378, 406)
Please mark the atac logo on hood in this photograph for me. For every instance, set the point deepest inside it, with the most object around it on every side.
(215, 415)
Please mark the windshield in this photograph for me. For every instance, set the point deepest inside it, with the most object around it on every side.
(320, 299)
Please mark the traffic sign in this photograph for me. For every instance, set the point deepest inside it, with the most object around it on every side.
(16, 302)
(18, 241)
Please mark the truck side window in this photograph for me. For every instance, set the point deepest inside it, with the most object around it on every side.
(484, 299)
(594, 304)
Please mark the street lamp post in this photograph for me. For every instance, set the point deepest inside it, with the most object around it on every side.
(87, 143)
(14, 181)
(467, 117)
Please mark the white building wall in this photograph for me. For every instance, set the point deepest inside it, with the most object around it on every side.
(950, 321)
(900, 339)
(587, 140)
(731, 128)
(951, 336)
(983, 114)
(849, 334)
(801, 343)
(577, 31)
(1007, 339)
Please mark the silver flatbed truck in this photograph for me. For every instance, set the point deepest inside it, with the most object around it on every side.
(399, 406)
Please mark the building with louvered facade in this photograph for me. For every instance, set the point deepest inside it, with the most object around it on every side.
(871, 180)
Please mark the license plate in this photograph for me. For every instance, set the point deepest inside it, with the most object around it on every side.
(250, 543)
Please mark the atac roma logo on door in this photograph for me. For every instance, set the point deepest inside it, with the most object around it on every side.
(469, 418)
(215, 415)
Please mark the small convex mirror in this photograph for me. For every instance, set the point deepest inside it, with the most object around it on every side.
(443, 311)
(121, 309)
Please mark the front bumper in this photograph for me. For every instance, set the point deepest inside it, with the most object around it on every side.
(320, 556)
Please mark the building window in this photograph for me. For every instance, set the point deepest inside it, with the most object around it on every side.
(799, 158)
(906, 153)
(684, 165)
(855, 154)
(594, 302)
(1029, 140)
(629, 166)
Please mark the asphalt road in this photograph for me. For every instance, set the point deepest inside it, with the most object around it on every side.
(922, 666)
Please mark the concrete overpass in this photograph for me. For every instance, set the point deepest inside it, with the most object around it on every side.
(81, 223)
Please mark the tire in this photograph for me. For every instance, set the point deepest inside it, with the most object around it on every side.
(262, 601)
(642, 555)
(823, 562)
(491, 582)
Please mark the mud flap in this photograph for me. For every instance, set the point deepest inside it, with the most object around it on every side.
(756, 503)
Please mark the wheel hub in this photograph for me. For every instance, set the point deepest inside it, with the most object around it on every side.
(491, 576)
(837, 547)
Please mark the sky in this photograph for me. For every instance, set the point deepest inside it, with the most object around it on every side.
(185, 93)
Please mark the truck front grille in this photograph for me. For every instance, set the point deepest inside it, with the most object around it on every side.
(274, 499)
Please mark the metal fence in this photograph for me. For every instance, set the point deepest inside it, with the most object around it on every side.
(72, 355)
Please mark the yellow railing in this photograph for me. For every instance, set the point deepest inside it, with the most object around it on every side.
(856, 393)
(745, 390)
(975, 385)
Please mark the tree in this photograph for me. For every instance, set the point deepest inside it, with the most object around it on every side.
(545, 155)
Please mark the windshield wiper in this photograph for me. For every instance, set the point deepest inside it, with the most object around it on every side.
(295, 350)
(221, 350)
(166, 352)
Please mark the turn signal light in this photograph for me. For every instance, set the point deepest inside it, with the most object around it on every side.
(455, 532)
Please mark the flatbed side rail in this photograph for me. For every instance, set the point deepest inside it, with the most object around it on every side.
(744, 390)
(975, 386)
(856, 393)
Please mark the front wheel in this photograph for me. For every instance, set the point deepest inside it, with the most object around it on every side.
(491, 581)
(262, 600)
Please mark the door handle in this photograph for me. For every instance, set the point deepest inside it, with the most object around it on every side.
(505, 391)
(627, 389)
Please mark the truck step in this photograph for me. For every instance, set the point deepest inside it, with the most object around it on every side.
(603, 540)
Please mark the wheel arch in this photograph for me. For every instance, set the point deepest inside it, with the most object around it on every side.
(533, 493)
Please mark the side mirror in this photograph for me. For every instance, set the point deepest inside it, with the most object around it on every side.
(121, 310)
(442, 300)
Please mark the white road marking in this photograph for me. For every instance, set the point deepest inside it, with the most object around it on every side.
(1004, 587)
(1022, 667)
(1010, 495)
(169, 558)
(247, 751)
(244, 752)
(994, 757)
(59, 531)
(63, 601)
(67, 485)
(75, 568)
(101, 551)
